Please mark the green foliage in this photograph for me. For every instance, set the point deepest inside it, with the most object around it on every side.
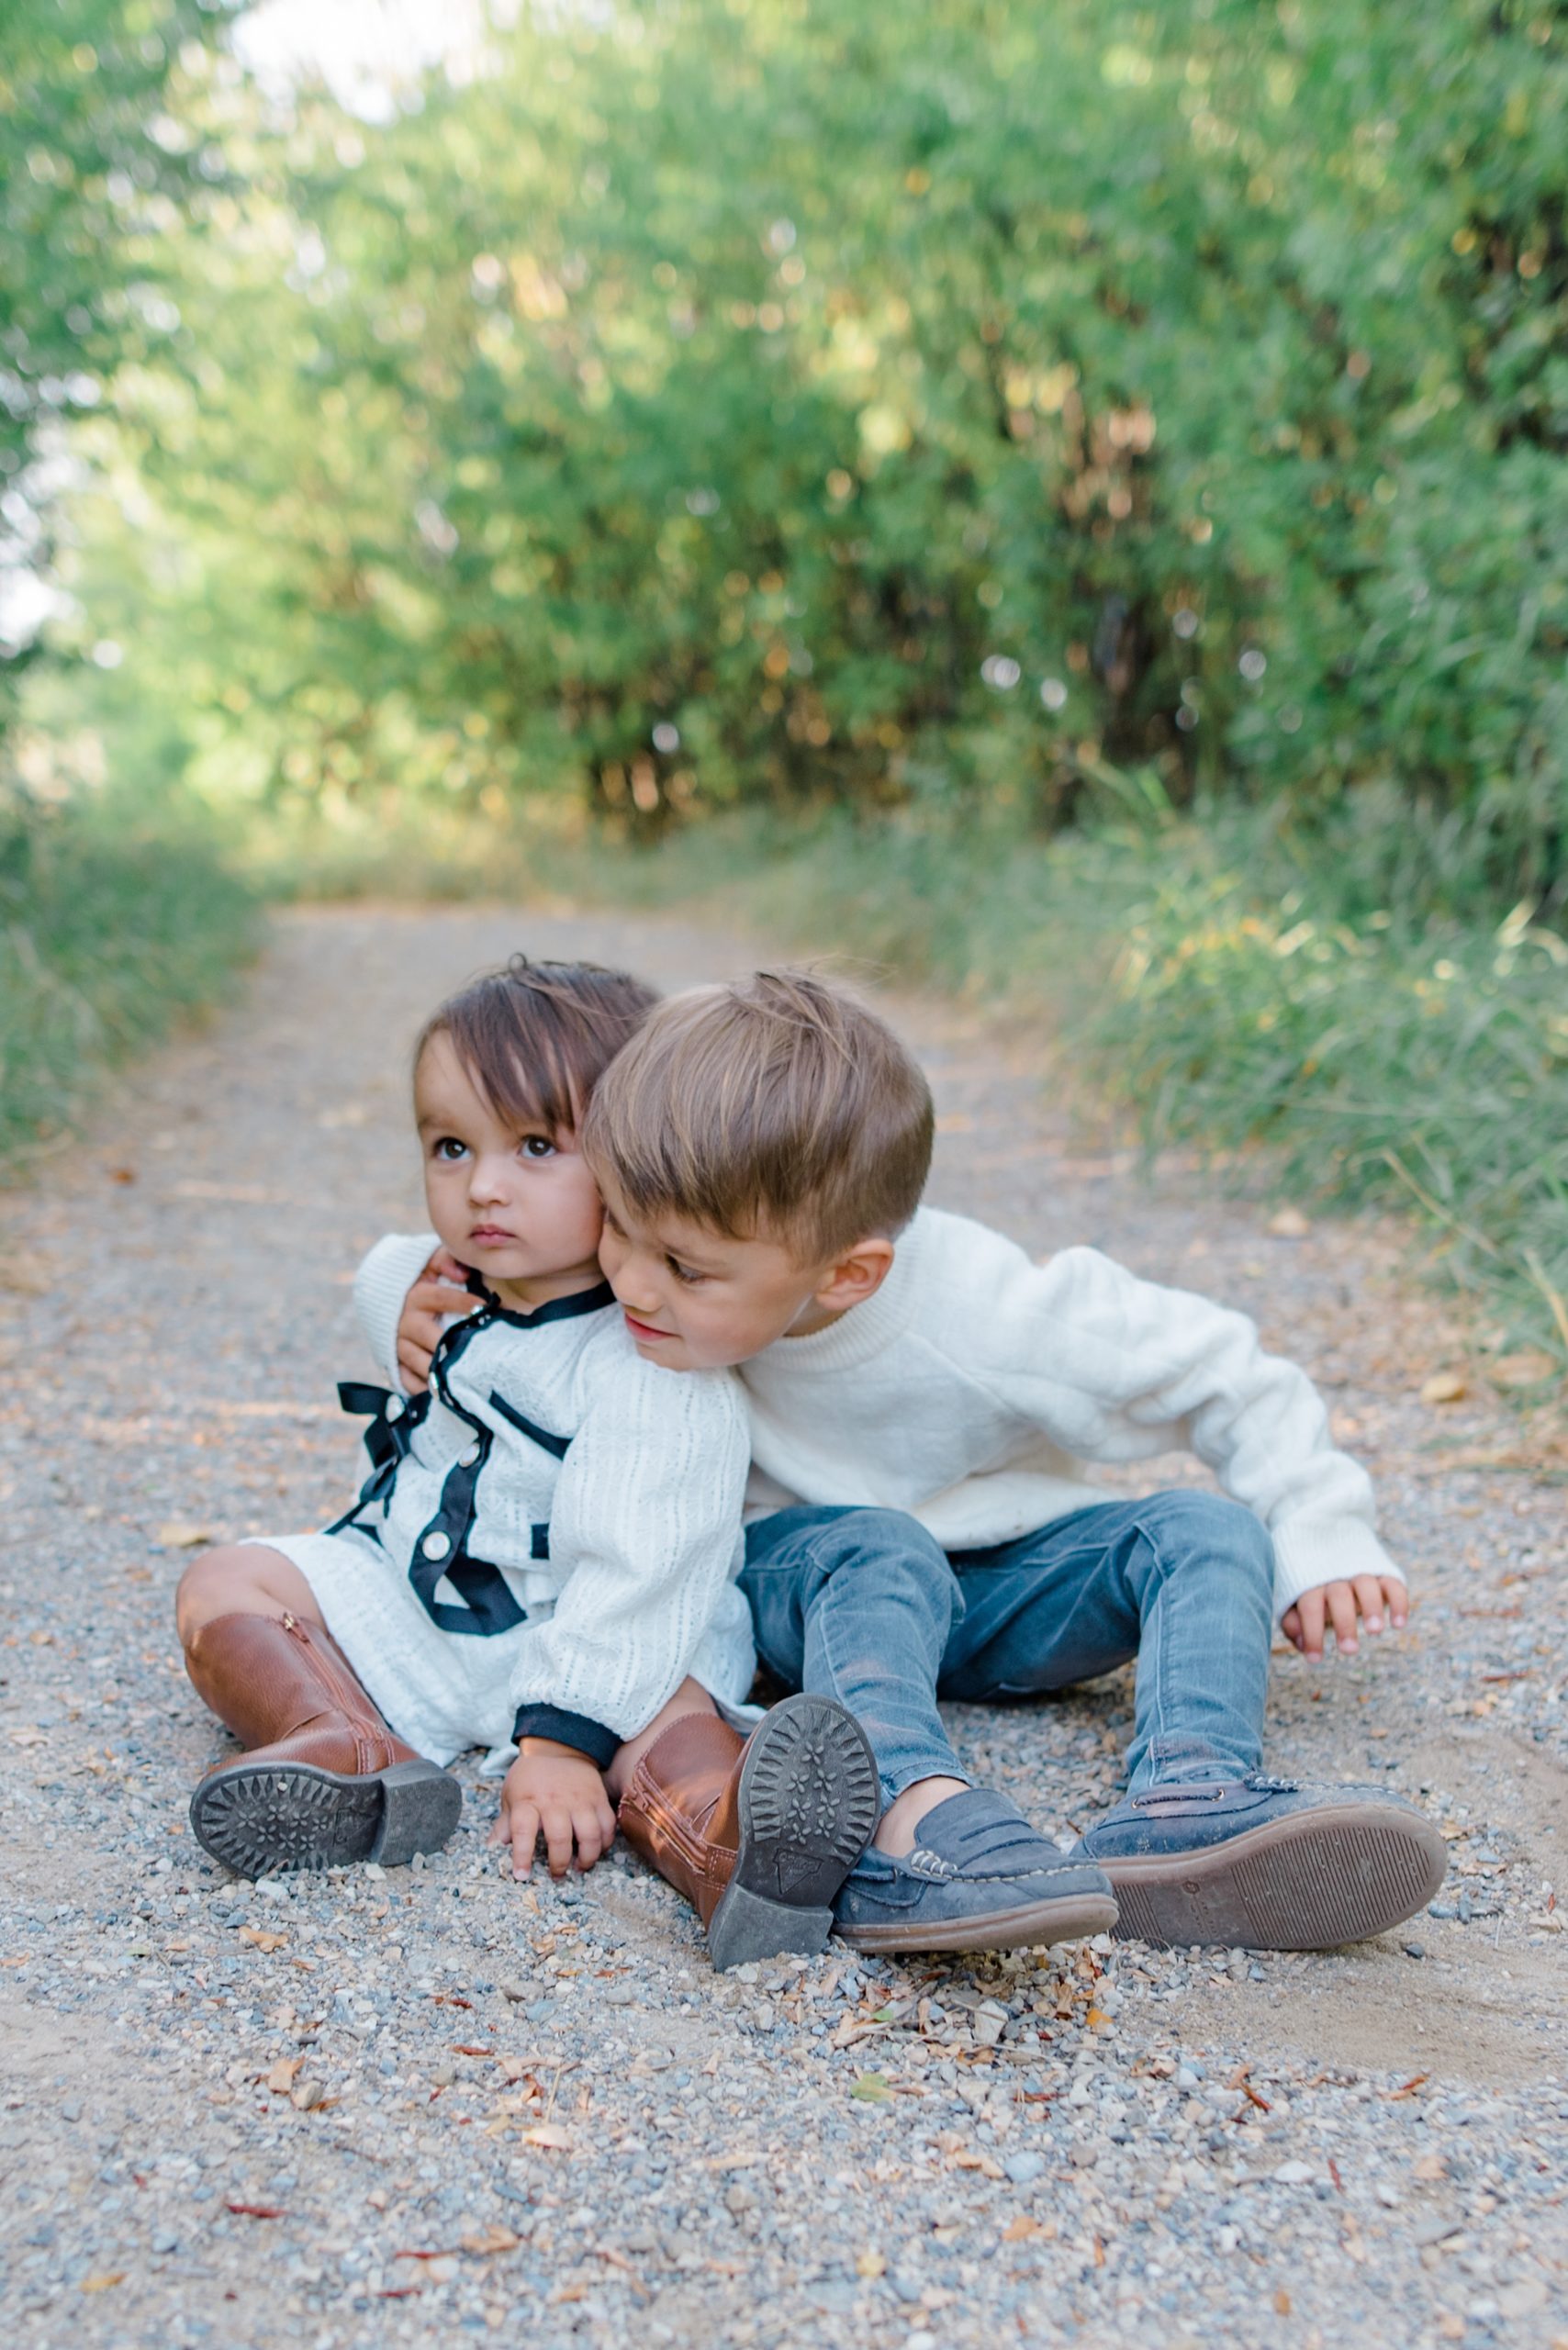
(956, 407)
(1226, 981)
(91, 169)
(1419, 1066)
(112, 922)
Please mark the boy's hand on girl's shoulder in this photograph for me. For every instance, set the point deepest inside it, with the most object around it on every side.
(1341, 1608)
(554, 1792)
(441, 1291)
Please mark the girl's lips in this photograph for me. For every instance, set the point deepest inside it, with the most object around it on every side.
(491, 1236)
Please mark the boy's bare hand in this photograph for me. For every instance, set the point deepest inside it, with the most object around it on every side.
(1341, 1608)
(441, 1291)
(554, 1792)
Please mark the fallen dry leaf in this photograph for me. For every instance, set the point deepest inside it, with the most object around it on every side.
(280, 2080)
(549, 2134)
(183, 1534)
(973, 2160)
(101, 2283)
(872, 2263)
(260, 1938)
(1289, 1224)
(491, 2239)
(256, 2210)
(1019, 2230)
(1445, 1387)
(1526, 1368)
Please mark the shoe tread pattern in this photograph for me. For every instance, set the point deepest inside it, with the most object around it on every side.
(261, 1821)
(810, 1800)
(1315, 1889)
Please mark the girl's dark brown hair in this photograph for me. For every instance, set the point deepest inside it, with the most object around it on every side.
(537, 1038)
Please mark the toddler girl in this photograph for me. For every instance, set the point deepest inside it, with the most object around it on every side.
(544, 1551)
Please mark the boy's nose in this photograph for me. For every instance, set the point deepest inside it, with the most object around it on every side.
(635, 1292)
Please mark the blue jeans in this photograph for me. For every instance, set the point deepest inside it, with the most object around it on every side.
(865, 1606)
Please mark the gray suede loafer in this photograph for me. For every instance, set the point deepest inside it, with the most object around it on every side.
(1266, 1864)
(979, 1878)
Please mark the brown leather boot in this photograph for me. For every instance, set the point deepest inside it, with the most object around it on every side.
(325, 1782)
(758, 1833)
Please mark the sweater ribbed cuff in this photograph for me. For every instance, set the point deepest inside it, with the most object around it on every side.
(1305, 1556)
(595, 1739)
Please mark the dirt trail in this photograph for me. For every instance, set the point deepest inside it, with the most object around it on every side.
(174, 1312)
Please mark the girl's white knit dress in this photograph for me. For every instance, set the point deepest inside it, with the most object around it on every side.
(548, 1541)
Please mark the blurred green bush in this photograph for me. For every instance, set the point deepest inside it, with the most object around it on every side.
(965, 407)
(115, 919)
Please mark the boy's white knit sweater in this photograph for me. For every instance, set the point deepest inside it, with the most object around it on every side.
(974, 1388)
(604, 1491)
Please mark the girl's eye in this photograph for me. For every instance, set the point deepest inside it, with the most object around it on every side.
(537, 1147)
(449, 1150)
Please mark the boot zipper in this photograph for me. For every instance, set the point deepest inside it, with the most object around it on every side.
(349, 1696)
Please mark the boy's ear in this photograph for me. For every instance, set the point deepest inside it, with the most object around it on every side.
(856, 1276)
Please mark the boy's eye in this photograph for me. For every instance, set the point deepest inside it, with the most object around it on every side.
(448, 1148)
(683, 1272)
(537, 1147)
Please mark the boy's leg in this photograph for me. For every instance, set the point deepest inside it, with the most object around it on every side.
(325, 1780)
(1182, 1580)
(1202, 1848)
(860, 1606)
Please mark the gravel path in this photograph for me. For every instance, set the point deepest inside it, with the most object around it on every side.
(432, 2104)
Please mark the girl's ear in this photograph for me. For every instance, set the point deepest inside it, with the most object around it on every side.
(856, 1276)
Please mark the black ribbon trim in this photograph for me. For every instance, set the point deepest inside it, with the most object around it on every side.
(559, 1445)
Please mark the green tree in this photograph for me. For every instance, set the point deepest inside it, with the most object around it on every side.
(93, 168)
(964, 407)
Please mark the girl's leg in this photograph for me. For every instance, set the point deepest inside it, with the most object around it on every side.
(689, 1698)
(241, 1579)
(324, 1780)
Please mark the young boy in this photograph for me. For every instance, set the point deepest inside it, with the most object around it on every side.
(921, 1397)
(543, 1556)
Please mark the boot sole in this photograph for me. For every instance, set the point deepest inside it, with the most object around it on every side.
(808, 1802)
(260, 1819)
(1070, 1918)
(1309, 1883)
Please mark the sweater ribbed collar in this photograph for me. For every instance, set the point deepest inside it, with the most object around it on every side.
(865, 1331)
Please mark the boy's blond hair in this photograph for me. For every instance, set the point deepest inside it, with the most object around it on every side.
(777, 1107)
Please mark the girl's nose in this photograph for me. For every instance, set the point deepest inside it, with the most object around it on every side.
(488, 1182)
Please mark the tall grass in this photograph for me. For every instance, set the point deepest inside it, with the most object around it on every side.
(1232, 980)
(1234, 984)
(112, 922)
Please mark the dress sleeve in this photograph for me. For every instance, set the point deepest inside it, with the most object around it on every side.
(645, 1523)
(1114, 1368)
(381, 1284)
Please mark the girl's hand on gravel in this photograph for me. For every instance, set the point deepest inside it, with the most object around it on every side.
(441, 1292)
(1374, 1600)
(554, 1792)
